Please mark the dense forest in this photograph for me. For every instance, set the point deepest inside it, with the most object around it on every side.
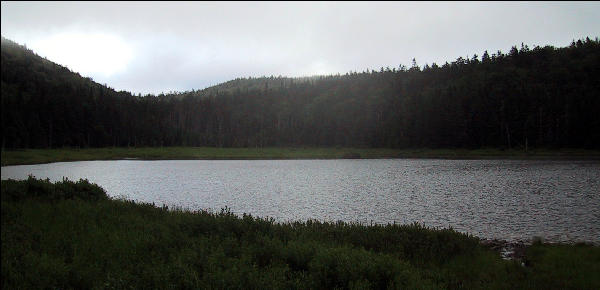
(527, 98)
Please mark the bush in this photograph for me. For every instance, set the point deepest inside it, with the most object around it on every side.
(34, 188)
(70, 235)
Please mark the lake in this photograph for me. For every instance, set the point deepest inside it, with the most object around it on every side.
(512, 200)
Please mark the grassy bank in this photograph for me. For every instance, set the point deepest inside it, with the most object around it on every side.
(71, 235)
(36, 156)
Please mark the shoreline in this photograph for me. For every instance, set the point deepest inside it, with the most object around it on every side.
(78, 237)
(43, 156)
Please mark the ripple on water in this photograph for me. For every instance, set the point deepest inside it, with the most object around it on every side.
(495, 199)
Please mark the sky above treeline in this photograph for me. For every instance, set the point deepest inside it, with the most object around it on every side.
(155, 47)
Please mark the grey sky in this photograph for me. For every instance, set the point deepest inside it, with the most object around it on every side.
(176, 46)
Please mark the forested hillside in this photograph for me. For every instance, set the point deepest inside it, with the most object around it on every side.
(542, 97)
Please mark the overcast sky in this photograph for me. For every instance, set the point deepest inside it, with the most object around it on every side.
(159, 47)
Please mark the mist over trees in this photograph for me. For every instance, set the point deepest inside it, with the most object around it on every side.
(541, 97)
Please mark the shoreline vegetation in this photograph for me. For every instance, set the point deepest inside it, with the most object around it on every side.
(40, 156)
(72, 235)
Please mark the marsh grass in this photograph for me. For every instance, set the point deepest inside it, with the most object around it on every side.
(37, 156)
(71, 235)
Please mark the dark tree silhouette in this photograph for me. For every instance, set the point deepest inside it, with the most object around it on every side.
(529, 98)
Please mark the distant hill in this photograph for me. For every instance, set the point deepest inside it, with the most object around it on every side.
(542, 97)
(249, 84)
(47, 105)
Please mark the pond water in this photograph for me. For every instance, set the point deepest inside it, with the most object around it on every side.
(513, 200)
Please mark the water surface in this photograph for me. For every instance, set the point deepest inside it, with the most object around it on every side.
(505, 199)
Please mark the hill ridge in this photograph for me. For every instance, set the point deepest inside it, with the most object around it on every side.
(543, 97)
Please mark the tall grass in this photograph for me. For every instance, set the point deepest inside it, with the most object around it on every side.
(71, 235)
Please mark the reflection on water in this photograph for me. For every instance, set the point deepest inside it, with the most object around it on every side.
(504, 199)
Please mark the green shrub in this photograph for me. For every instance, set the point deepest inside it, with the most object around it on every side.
(44, 189)
(70, 235)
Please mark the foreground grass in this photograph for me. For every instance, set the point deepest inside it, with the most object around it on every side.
(71, 235)
(36, 156)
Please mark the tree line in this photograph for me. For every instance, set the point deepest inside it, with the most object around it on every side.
(544, 97)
